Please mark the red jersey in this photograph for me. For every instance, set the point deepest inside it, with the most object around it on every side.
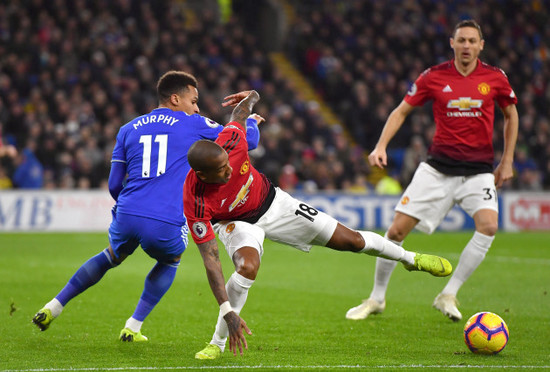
(244, 197)
(464, 111)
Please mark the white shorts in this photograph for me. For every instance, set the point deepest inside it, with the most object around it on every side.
(431, 195)
(288, 221)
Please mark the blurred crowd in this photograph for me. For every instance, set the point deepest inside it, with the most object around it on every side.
(73, 71)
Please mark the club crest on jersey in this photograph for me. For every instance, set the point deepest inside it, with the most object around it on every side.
(464, 103)
(230, 228)
(199, 228)
(484, 88)
(405, 200)
(412, 90)
(244, 167)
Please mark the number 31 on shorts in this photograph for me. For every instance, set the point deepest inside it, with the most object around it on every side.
(490, 194)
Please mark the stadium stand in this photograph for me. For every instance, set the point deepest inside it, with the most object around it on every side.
(72, 72)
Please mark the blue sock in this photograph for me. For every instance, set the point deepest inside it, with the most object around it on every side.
(88, 274)
(158, 281)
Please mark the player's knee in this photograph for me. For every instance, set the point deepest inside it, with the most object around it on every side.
(346, 239)
(350, 241)
(356, 242)
(396, 234)
(488, 228)
(248, 269)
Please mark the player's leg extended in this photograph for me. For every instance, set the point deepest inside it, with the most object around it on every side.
(87, 275)
(486, 221)
(345, 239)
(247, 263)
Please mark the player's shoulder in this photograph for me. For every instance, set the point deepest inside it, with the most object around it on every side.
(487, 68)
(233, 132)
(442, 67)
(201, 121)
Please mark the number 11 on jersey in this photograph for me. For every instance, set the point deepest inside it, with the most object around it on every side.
(162, 140)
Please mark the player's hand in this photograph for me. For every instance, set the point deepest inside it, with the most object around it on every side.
(234, 99)
(257, 117)
(503, 172)
(378, 158)
(235, 325)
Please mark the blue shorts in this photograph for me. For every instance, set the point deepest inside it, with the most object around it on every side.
(160, 240)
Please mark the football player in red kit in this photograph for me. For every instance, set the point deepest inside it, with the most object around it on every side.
(459, 168)
(224, 193)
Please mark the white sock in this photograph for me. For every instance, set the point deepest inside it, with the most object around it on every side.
(471, 257)
(55, 307)
(237, 291)
(382, 275)
(375, 245)
(133, 324)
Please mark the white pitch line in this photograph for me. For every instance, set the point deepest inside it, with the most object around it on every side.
(190, 368)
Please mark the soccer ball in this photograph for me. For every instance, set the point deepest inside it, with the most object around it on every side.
(485, 333)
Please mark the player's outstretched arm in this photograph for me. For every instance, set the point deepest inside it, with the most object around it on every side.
(211, 259)
(243, 110)
(378, 156)
(233, 99)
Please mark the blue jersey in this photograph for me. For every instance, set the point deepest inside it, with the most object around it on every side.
(154, 147)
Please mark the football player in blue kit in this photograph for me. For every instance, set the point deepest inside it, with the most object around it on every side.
(148, 169)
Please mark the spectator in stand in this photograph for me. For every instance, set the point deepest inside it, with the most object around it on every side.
(8, 154)
(28, 173)
(414, 155)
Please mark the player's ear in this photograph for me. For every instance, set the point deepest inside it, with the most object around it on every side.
(482, 43)
(201, 175)
(175, 99)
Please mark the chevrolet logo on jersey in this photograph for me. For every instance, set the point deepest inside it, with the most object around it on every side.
(464, 103)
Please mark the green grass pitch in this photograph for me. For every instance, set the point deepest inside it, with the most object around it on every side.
(295, 309)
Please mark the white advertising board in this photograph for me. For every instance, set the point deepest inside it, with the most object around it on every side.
(63, 210)
(71, 210)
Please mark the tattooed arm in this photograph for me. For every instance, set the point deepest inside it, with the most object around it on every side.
(210, 256)
(244, 102)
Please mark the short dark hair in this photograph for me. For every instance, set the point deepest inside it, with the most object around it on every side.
(468, 23)
(202, 154)
(174, 82)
